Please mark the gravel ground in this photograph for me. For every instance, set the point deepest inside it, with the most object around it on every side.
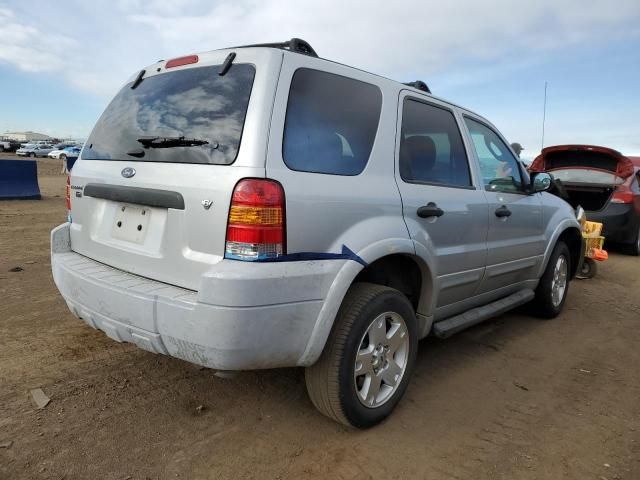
(514, 398)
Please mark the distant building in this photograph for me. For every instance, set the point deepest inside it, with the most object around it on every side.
(26, 136)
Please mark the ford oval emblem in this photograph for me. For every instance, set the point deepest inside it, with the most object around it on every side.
(128, 172)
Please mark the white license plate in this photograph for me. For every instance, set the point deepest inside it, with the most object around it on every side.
(131, 223)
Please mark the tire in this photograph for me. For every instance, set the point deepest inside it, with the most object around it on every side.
(63, 157)
(588, 270)
(549, 303)
(333, 386)
(634, 248)
(32, 154)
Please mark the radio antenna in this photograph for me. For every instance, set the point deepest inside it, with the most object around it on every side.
(544, 114)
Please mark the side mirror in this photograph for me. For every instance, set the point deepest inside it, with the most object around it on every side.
(540, 182)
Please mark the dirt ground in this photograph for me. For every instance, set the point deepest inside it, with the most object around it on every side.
(514, 398)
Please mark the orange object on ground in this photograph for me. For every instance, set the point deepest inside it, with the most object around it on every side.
(598, 254)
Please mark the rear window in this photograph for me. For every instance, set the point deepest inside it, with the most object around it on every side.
(331, 123)
(194, 103)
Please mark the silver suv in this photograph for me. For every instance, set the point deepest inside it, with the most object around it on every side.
(260, 207)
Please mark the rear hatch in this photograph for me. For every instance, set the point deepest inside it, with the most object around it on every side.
(150, 192)
(590, 174)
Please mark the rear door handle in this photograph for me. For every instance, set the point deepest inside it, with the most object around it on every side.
(503, 211)
(430, 210)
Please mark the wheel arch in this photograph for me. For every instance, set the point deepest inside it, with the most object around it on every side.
(572, 237)
(404, 272)
(385, 263)
(570, 234)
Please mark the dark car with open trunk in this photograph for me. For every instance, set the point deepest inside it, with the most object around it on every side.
(604, 182)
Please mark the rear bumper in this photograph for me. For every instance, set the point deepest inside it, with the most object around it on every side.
(620, 222)
(245, 316)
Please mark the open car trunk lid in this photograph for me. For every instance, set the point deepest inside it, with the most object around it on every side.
(589, 174)
(159, 210)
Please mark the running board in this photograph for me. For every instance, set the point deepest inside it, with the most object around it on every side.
(448, 327)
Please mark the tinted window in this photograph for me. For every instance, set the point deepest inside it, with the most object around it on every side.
(431, 148)
(498, 166)
(195, 103)
(331, 123)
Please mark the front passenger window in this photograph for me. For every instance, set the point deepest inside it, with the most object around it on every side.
(498, 167)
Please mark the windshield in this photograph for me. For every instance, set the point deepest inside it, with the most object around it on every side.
(195, 103)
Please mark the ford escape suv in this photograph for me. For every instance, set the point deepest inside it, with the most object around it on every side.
(260, 207)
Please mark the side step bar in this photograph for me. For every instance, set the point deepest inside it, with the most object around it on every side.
(448, 327)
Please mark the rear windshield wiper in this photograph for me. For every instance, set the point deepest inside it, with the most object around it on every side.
(169, 142)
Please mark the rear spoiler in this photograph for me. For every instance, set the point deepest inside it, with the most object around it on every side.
(622, 168)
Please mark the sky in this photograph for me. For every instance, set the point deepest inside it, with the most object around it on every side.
(61, 62)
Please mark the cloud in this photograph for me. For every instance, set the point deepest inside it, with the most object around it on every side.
(28, 48)
(397, 37)
(460, 47)
(104, 42)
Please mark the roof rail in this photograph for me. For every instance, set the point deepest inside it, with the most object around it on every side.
(420, 85)
(296, 45)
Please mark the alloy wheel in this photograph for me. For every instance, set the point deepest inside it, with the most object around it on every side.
(381, 360)
(559, 282)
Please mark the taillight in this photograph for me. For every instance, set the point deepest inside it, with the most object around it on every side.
(622, 194)
(256, 230)
(68, 198)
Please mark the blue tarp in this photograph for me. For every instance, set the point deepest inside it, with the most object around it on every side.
(19, 180)
(70, 162)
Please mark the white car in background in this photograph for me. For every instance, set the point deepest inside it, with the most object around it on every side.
(65, 151)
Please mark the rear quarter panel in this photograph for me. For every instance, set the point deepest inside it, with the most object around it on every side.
(326, 212)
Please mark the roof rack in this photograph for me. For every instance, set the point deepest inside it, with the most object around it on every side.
(296, 45)
(420, 85)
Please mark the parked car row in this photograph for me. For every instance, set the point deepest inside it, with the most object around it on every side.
(38, 149)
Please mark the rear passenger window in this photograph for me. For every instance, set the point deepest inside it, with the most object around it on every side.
(431, 148)
(331, 123)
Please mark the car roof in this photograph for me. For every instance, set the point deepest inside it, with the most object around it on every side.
(401, 85)
(283, 48)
